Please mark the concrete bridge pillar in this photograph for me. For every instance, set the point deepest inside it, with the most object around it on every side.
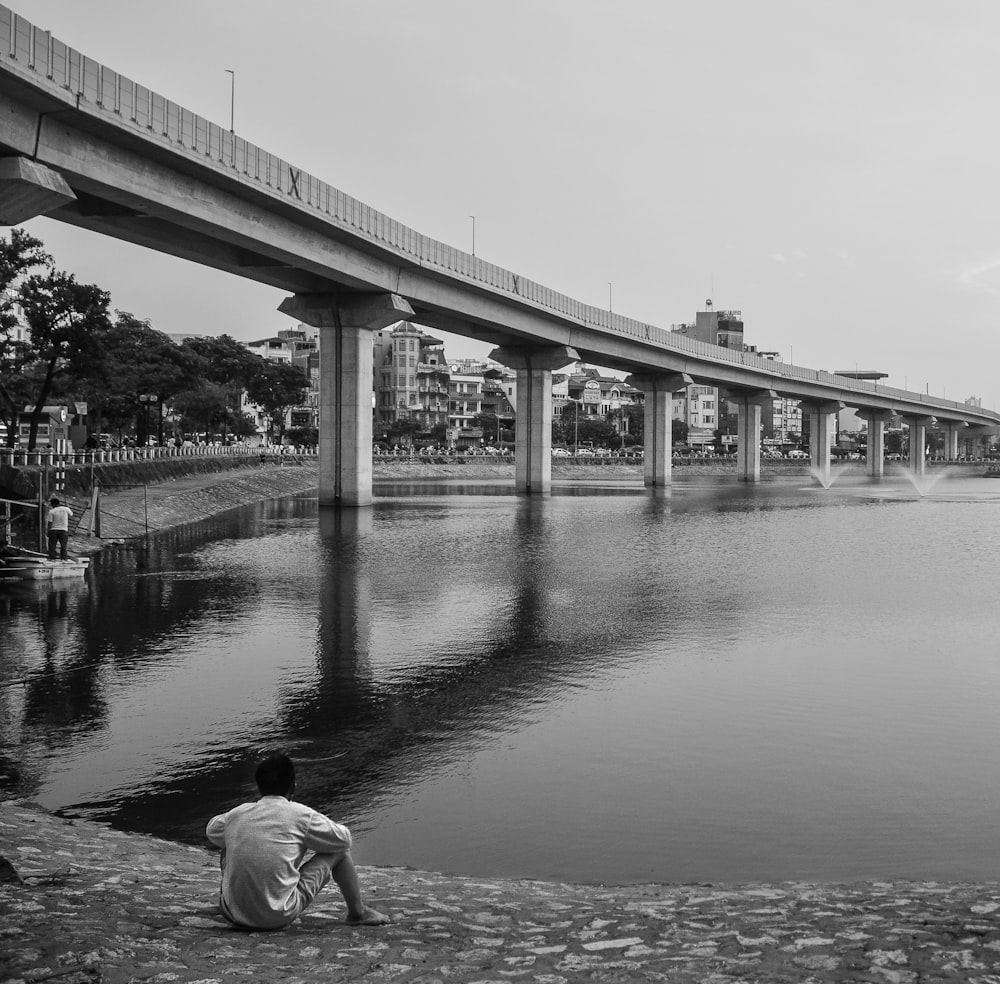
(748, 416)
(875, 456)
(347, 325)
(822, 424)
(657, 427)
(533, 426)
(918, 441)
(951, 430)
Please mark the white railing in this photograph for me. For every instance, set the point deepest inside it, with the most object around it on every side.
(102, 93)
(19, 457)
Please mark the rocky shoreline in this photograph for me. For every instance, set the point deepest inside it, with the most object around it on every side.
(82, 903)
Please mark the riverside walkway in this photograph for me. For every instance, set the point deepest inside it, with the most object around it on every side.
(82, 903)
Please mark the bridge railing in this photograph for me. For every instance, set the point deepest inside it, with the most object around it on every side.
(116, 99)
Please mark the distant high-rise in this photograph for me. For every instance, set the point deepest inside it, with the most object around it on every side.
(724, 328)
(700, 408)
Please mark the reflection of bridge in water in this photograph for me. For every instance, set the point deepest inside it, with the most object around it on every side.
(85, 145)
(360, 733)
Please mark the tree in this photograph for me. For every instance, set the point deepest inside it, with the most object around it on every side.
(635, 414)
(597, 430)
(490, 424)
(228, 366)
(403, 430)
(67, 321)
(19, 254)
(276, 387)
(203, 407)
(678, 431)
(135, 359)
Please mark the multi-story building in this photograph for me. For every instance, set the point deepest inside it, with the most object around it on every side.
(701, 407)
(411, 377)
(781, 418)
(18, 332)
(295, 347)
(465, 396)
(698, 407)
(599, 396)
(723, 328)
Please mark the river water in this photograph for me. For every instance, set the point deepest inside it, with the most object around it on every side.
(716, 682)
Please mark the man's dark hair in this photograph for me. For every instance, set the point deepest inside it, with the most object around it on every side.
(53, 501)
(275, 776)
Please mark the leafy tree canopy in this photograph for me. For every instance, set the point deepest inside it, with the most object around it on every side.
(275, 387)
(67, 324)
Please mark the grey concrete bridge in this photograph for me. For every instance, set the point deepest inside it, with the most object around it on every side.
(83, 144)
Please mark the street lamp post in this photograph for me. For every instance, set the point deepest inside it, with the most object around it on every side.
(232, 99)
(576, 423)
(146, 399)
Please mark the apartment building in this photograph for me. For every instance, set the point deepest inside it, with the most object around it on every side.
(411, 377)
(299, 347)
(700, 407)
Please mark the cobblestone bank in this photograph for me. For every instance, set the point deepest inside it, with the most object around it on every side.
(80, 902)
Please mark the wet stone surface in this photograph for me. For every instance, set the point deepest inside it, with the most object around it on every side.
(81, 902)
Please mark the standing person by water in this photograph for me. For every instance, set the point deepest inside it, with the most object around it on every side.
(59, 517)
(265, 884)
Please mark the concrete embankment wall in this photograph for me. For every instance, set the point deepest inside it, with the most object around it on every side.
(141, 496)
(79, 479)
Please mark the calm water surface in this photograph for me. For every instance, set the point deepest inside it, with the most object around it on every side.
(717, 682)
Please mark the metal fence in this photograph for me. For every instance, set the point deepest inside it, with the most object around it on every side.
(48, 457)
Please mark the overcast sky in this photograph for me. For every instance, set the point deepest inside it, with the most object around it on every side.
(829, 168)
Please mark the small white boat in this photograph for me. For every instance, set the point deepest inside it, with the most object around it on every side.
(26, 565)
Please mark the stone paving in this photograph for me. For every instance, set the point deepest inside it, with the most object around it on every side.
(83, 903)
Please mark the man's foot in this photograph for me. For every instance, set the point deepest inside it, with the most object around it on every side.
(367, 917)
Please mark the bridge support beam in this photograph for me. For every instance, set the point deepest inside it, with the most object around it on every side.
(347, 326)
(918, 441)
(29, 189)
(533, 426)
(822, 427)
(748, 417)
(658, 390)
(875, 455)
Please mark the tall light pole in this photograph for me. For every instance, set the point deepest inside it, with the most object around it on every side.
(473, 234)
(146, 399)
(232, 100)
(576, 429)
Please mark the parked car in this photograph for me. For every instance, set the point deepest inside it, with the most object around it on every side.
(798, 453)
(561, 453)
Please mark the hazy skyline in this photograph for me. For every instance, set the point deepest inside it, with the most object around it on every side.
(824, 167)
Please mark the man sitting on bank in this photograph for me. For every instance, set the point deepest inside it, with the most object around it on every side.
(265, 884)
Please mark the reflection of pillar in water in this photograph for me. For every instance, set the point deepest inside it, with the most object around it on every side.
(345, 610)
(528, 613)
